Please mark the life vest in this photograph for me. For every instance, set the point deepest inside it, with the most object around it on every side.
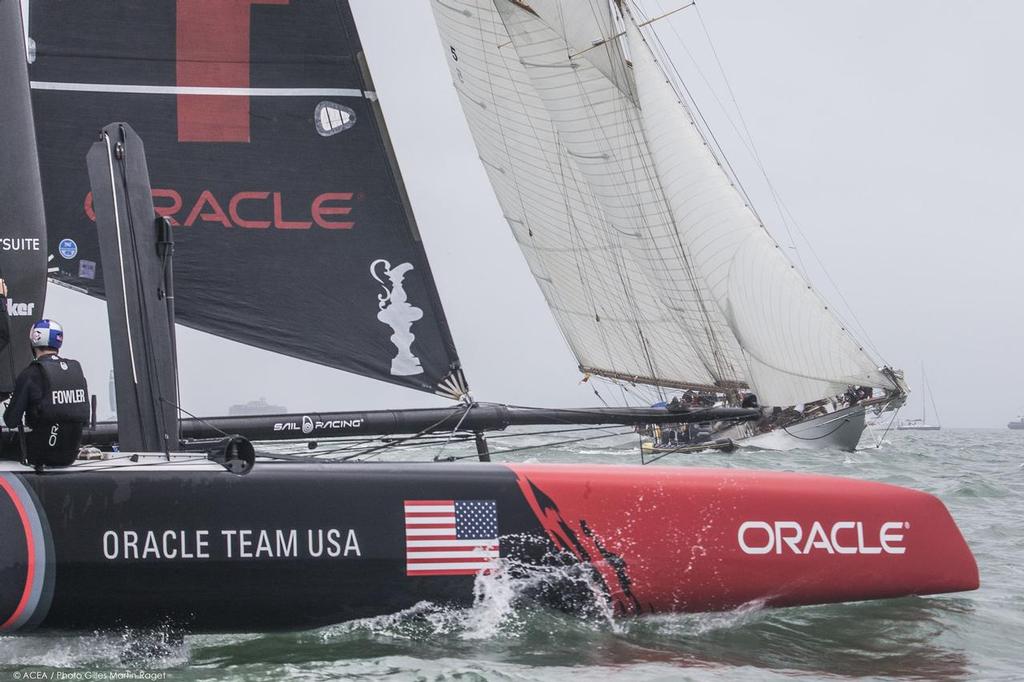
(65, 392)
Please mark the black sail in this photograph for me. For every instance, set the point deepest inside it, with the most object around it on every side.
(267, 150)
(22, 227)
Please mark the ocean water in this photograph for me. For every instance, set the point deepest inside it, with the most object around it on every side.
(979, 474)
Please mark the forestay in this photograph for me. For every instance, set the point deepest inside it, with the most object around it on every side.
(267, 150)
(654, 267)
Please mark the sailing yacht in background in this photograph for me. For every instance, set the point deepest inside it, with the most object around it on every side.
(657, 269)
(922, 423)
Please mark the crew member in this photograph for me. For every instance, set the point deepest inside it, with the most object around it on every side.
(52, 398)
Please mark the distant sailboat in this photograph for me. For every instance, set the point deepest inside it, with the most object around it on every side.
(922, 423)
(1017, 424)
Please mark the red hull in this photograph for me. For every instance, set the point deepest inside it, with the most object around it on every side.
(706, 539)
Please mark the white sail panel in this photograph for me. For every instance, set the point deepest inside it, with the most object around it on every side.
(593, 265)
(599, 129)
(795, 348)
(588, 29)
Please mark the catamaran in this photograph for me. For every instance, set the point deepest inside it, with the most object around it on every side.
(270, 158)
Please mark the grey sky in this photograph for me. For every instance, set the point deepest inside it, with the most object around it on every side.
(891, 130)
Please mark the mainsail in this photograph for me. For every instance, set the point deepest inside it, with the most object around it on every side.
(268, 152)
(655, 268)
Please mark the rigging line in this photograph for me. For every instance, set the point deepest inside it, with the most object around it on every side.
(718, 357)
(199, 419)
(506, 436)
(644, 344)
(749, 137)
(563, 163)
(317, 456)
(526, 448)
(166, 261)
(706, 132)
(777, 198)
(720, 156)
(895, 413)
(849, 309)
(780, 204)
(708, 327)
(747, 140)
(604, 41)
(425, 430)
(160, 463)
(501, 128)
(453, 432)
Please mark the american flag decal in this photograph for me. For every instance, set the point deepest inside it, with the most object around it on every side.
(450, 537)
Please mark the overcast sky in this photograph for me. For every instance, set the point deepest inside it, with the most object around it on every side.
(892, 131)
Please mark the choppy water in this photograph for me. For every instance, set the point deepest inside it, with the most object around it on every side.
(978, 635)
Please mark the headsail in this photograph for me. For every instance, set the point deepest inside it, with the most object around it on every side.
(22, 227)
(653, 265)
(267, 150)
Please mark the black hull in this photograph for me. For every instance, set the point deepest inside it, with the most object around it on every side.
(303, 584)
(295, 546)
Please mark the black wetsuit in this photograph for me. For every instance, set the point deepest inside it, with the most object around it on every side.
(51, 398)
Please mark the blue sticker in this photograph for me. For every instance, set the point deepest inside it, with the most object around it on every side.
(68, 248)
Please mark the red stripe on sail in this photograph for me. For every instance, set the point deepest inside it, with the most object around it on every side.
(213, 51)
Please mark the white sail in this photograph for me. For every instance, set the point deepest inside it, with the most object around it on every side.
(592, 264)
(645, 253)
(794, 346)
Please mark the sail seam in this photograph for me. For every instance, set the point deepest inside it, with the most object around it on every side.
(125, 88)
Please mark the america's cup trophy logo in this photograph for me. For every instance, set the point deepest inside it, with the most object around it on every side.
(399, 314)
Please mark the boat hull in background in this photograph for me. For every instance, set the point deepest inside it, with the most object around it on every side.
(295, 546)
(839, 430)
